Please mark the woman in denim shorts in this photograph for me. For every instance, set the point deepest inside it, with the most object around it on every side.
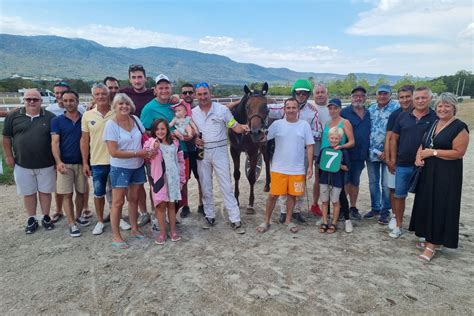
(123, 137)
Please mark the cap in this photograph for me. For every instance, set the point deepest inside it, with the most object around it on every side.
(335, 101)
(186, 105)
(358, 88)
(384, 88)
(161, 77)
(302, 85)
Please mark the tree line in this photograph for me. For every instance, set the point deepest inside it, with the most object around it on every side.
(342, 88)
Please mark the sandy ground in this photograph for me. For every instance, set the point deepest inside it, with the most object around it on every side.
(220, 272)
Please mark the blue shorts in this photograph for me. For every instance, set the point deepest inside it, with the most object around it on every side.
(402, 180)
(354, 172)
(100, 174)
(123, 177)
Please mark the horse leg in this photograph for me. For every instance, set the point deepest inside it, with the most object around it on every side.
(253, 159)
(235, 153)
(266, 158)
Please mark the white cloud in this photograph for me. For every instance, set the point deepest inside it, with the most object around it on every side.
(438, 19)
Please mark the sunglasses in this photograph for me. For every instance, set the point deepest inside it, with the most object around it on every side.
(31, 99)
(135, 68)
(187, 92)
(62, 84)
(305, 93)
(202, 84)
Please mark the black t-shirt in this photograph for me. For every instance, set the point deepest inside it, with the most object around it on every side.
(31, 138)
(410, 131)
(392, 118)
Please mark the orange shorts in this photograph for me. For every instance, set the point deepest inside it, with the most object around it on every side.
(282, 184)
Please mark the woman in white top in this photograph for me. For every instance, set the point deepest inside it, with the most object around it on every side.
(123, 134)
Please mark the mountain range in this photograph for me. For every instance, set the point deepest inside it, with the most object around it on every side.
(49, 57)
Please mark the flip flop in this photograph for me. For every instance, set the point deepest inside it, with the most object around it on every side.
(263, 227)
(175, 237)
(120, 245)
(293, 228)
(160, 240)
(138, 236)
(332, 229)
(57, 217)
(86, 214)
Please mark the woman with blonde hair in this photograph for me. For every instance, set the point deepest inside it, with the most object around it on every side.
(437, 205)
(123, 134)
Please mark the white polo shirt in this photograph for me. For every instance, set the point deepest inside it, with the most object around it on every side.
(214, 124)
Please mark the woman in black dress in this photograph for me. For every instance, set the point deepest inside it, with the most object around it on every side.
(437, 205)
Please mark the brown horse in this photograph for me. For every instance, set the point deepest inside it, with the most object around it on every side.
(253, 111)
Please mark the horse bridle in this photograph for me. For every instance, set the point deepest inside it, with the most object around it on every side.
(263, 119)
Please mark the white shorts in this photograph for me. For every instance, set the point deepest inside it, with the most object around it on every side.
(30, 181)
(390, 179)
(327, 193)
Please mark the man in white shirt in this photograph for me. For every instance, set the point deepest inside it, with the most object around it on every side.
(292, 137)
(212, 120)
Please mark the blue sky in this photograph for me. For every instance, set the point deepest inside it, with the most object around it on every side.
(417, 37)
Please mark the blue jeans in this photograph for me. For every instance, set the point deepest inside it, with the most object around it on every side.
(379, 192)
(100, 175)
(123, 177)
(402, 180)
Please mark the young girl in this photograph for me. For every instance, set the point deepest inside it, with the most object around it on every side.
(330, 183)
(182, 121)
(168, 174)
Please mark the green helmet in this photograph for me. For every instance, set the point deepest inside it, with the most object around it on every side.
(302, 84)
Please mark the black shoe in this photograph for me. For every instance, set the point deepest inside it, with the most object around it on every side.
(341, 216)
(201, 210)
(185, 211)
(31, 225)
(47, 223)
(107, 219)
(299, 218)
(208, 223)
(354, 212)
(282, 218)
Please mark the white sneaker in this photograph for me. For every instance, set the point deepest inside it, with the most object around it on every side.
(74, 231)
(348, 226)
(124, 225)
(393, 223)
(395, 233)
(98, 229)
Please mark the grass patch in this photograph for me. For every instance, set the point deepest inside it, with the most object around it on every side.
(466, 113)
(7, 176)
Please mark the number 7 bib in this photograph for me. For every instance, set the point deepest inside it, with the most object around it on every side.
(330, 160)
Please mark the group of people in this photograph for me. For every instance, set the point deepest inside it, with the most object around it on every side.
(126, 137)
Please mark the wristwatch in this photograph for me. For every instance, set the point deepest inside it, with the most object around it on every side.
(435, 153)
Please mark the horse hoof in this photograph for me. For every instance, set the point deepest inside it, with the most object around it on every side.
(250, 210)
(266, 189)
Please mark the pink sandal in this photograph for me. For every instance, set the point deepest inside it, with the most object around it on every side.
(175, 237)
(160, 240)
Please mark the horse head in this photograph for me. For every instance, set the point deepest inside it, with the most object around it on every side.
(254, 109)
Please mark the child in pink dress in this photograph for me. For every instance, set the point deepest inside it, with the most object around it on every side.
(168, 174)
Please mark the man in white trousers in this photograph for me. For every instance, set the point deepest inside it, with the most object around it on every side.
(212, 120)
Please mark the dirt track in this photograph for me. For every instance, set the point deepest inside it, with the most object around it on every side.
(219, 272)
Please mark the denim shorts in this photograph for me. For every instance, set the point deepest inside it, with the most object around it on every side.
(100, 174)
(402, 180)
(354, 172)
(123, 177)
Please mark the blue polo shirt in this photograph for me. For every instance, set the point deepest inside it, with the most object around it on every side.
(361, 128)
(69, 138)
(410, 131)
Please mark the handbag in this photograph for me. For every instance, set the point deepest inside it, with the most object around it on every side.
(425, 143)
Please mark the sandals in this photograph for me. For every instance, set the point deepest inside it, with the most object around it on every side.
(160, 240)
(174, 236)
(293, 228)
(427, 258)
(57, 217)
(138, 236)
(263, 227)
(323, 228)
(120, 245)
(86, 214)
(332, 229)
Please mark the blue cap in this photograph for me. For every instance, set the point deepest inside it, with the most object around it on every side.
(336, 102)
(384, 88)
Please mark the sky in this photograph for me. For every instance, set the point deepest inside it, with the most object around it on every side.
(415, 37)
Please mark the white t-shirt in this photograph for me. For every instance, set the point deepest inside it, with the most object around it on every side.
(290, 142)
(309, 113)
(126, 141)
(57, 110)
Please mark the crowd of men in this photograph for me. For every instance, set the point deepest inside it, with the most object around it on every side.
(57, 148)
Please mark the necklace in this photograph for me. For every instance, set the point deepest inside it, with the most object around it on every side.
(124, 125)
(436, 131)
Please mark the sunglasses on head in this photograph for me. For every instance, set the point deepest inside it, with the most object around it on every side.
(187, 92)
(62, 84)
(135, 68)
(31, 99)
(202, 84)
